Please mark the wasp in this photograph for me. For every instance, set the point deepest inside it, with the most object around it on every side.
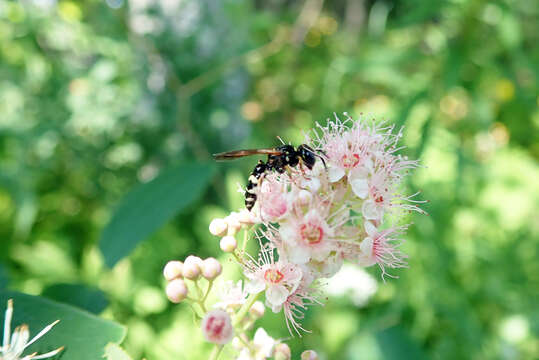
(279, 158)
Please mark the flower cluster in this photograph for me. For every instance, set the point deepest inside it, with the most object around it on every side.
(308, 221)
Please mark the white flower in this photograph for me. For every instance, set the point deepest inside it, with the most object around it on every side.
(355, 282)
(232, 295)
(14, 344)
(261, 348)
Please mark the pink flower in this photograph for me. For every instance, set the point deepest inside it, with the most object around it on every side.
(217, 327)
(312, 235)
(348, 148)
(296, 303)
(272, 197)
(279, 279)
(381, 247)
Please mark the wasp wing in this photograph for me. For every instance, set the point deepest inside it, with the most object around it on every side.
(241, 153)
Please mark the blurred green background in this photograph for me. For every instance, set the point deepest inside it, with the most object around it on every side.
(99, 96)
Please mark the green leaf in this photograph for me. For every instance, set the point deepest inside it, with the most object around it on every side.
(4, 276)
(115, 352)
(83, 334)
(79, 295)
(148, 206)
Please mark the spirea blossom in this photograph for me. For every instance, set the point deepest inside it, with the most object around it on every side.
(341, 201)
(347, 207)
(278, 279)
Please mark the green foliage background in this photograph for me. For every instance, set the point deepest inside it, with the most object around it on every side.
(99, 96)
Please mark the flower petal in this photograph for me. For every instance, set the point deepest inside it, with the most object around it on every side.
(360, 187)
(254, 286)
(371, 211)
(370, 228)
(276, 295)
(298, 254)
(358, 181)
(335, 173)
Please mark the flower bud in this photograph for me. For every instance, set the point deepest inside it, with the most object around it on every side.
(228, 244)
(282, 352)
(218, 227)
(304, 197)
(257, 310)
(191, 267)
(309, 355)
(211, 268)
(245, 217)
(233, 223)
(176, 290)
(217, 327)
(173, 270)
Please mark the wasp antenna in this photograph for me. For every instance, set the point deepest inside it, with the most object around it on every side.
(323, 161)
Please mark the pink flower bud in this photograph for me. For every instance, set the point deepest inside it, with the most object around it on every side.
(234, 224)
(217, 327)
(211, 268)
(282, 352)
(228, 244)
(257, 310)
(309, 355)
(191, 267)
(218, 227)
(176, 290)
(173, 270)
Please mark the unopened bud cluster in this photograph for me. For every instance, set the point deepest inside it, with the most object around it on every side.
(193, 268)
(228, 227)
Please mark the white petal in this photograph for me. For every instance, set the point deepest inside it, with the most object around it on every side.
(370, 228)
(298, 254)
(366, 258)
(332, 266)
(288, 231)
(366, 246)
(263, 342)
(320, 253)
(371, 211)
(366, 261)
(335, 173)
(358, 181)
(276, 295)
(255, 286)
(360, 187)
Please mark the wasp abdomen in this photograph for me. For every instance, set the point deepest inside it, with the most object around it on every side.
(252, 183)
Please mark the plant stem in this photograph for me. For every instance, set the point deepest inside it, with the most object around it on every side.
(245, 308)
(215, 352)
(210, 283)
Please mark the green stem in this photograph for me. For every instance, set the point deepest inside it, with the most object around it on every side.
(245, 308)
(210, 284)
(215, 352)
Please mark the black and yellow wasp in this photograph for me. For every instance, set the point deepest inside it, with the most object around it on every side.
(278, 159)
